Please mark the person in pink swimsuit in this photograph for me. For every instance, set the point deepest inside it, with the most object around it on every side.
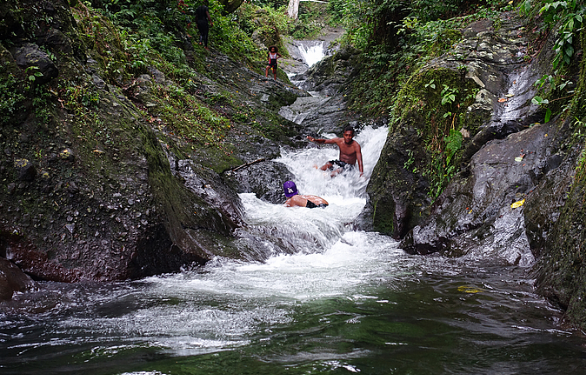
(273, 55)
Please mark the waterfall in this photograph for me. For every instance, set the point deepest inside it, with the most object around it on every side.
(312, 51)
(275, 229)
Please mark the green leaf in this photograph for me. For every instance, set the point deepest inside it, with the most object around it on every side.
(547, 115)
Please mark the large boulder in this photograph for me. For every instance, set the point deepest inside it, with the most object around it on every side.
(265, 179)
(490, 84)
(478, 212)
(34, 60)
(121, 191)
(12, 279)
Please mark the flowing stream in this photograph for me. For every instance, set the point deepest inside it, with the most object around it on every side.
(328, 300)
(346, 302)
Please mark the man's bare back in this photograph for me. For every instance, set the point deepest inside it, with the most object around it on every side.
(350, 151)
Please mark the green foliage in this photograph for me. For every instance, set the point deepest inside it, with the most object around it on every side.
(566, 17)
(395, 51)
(10, 98)
(266, 23)
(448, 95)
(453, 144)
(162, 27)
(186, 116)
(312, 19)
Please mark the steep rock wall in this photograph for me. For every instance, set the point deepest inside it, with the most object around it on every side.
(97, 180)
(561, 268)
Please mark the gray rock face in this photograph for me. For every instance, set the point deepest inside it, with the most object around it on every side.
(474, 214)
(489, 62)
(119, 194)
(325, 111)
(265, 179)
(25, 169)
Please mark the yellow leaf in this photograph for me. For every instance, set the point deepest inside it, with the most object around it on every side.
(469, 289)
(518, 203)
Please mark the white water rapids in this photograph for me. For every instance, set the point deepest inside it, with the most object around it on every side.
(345, 301)
(221, 305)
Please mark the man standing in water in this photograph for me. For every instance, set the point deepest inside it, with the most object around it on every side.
(350, 152)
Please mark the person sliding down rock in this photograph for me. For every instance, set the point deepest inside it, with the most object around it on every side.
(298, 200)
(350, 152)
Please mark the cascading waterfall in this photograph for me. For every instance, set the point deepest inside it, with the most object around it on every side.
(286, 230)
(312, 51)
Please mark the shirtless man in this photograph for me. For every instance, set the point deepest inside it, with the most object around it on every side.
(297, 200)
(349, 152)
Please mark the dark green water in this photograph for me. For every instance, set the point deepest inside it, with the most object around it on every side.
(405, 316)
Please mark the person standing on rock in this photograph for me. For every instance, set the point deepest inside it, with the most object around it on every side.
(202, 17)
(297, 200)
(273, 55)
(350, 152)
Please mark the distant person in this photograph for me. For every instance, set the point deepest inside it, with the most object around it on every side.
(350, 152)
(297, 200)
(202, 17)
(273, 55)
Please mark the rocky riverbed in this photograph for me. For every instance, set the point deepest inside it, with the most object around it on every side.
(107, 186)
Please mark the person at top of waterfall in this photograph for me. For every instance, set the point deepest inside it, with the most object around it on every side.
(350, 152)
(294, 199)
(273, 54)
(202, 17)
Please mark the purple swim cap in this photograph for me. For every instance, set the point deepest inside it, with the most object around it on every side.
(290, 189)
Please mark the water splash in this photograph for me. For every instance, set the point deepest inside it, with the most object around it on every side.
(273, 229)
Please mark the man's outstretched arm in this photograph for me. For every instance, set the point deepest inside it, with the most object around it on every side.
(322, 141)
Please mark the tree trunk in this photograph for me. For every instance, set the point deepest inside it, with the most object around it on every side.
(293, 8)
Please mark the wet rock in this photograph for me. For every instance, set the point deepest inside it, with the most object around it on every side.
(31, 56)
(25, 169)
(484, 62)
(67, 154)
(57, 40)
(72, 187)
(212, 189)
(329, 75)
(12, 279)
(158, 76)
(99, 82)
(474, 214)
(265, 180)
